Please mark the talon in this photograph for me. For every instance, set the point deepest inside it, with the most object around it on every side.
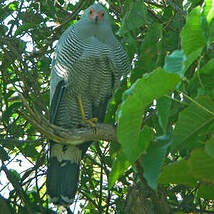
(90, 121)
(94, 119)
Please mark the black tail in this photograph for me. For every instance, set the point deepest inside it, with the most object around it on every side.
(64, 161)
(62, 180)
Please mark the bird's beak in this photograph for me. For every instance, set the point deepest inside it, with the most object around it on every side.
(96, 18)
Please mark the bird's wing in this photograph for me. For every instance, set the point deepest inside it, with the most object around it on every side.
(120, 60)
(55, 101)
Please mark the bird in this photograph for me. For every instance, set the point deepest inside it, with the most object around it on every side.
(87, 67)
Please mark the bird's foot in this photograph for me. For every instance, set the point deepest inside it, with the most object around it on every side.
(91, 121)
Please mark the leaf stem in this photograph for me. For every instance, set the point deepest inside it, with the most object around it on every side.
(196, 103)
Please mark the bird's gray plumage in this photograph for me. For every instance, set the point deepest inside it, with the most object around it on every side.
(88, 63)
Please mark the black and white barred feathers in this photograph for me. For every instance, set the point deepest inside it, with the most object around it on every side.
(88, 63)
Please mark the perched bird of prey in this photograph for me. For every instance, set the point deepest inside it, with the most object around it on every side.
(87, 67)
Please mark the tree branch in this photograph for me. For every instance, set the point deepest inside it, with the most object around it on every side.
(74, 136)
(176, 8)
(17, 187)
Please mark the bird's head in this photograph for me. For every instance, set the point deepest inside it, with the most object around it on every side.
(96, 22)
(96, 14)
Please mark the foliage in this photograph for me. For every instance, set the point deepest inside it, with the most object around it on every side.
(164, 109)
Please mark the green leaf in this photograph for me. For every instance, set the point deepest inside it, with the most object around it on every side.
(191, 58)
(163, 107)
(174, 63)
(3, 29)
(4, 155)
(24, 28)
(14, 174)
(211, 32)
(134, 18)
(191, 121)
(206, 191)
(202, 165)
(13, 5)
(7, 114)
(192, 37)
(133, 152)
(120, 165)
(202, 82)
(209, 147)
(152, 162)
(44, 64)
(146, 136)
(177, 173)
(151, 51)
(136, 99)
(28, 150)
(206, 75)
(209, 10)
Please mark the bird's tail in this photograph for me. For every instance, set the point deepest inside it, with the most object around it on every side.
(62, 175)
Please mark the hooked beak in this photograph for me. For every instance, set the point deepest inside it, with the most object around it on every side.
(96, 16)
(96, 19)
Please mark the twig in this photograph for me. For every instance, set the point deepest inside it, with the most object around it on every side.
(177, 8)
(17, 187)
(75, 12)
(189, 208)
(153, 3)
(89, 198)
(101, 178)
(74, 136)
(17, 141)
(159, 20)
(57, 30)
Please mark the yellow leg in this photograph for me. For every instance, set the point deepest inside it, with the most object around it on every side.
(89, 121)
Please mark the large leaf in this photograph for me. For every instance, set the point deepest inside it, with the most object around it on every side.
(177, 173)
(134, 18)
(206, 75)
(202, 165)
(134, 140)
(119, 167)
(191, 121)
(152, 162)
(208, 20)
(191, 58)
(121, 164)
(209, 10)
(206, 191)
(151, 55)
(209, 147)
(145, 137)
(175, 63)
(136, 99)
(163, 107)
(192, 37)
(203, 80)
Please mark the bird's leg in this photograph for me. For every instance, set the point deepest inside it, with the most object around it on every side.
(90, 121)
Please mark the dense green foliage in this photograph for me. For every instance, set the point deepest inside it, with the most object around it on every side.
(164, 108)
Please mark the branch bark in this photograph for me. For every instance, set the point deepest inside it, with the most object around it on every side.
(74, 136)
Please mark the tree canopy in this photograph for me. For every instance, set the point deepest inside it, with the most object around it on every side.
(164, 109)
